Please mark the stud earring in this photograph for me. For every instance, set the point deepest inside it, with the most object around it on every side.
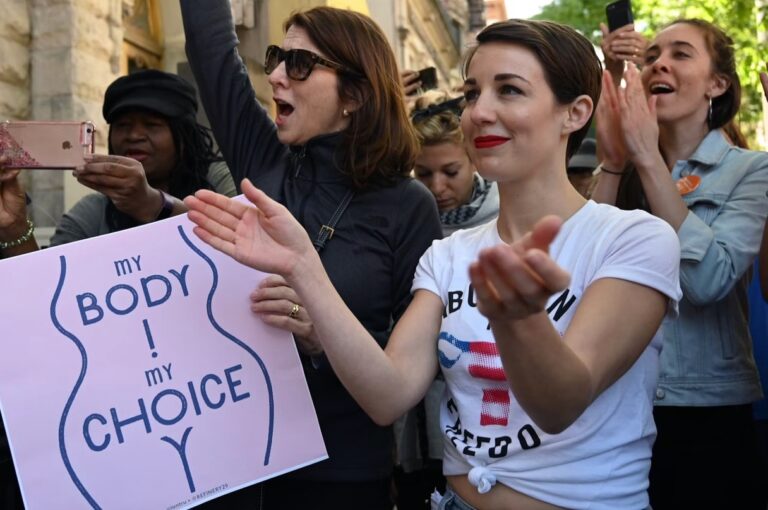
(345, 113)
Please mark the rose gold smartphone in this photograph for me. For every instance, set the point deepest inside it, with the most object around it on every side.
(49, 145)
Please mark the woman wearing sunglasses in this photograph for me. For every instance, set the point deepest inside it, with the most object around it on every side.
(544, 322)
(338, 155)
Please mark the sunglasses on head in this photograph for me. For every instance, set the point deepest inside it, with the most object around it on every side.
(298, 63)
(455, 106)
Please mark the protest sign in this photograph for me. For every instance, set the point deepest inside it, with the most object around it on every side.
(134, 375)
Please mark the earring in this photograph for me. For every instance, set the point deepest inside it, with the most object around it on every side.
(709, 113)
(345, 113)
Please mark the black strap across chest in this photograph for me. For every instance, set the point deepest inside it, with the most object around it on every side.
(327, 230)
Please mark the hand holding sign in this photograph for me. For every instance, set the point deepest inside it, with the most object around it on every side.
(274, 301)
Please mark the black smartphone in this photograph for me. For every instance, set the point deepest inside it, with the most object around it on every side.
(619, 13)
(428, 78)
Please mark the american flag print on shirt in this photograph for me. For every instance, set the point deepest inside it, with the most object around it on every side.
(485, 364)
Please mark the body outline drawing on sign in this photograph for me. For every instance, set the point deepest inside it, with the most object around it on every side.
(65, 415)
(237, 341)
(84, 367)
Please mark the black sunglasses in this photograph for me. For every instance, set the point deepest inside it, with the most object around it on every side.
(298, 63)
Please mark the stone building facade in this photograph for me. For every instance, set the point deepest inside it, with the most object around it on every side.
(58, 56)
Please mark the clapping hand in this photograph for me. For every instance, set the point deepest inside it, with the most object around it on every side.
(264, 235)
(513, 282)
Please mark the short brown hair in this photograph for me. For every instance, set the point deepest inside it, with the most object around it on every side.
(569, 61)
(380, 141)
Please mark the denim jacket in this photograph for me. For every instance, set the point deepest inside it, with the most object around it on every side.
(707, 357)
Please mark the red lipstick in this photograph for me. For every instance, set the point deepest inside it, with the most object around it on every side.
(486, 142)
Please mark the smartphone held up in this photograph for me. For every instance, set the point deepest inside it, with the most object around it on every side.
(619, 14)
(46, 145)
(427, 79)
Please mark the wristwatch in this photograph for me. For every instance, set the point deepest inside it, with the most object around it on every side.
(167, 209)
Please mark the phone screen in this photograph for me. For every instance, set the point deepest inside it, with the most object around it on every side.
(619, 14)
(428, 78)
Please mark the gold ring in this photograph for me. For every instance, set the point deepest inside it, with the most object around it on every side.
(294, 311)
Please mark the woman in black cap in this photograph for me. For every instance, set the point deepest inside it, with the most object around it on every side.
(158, 154)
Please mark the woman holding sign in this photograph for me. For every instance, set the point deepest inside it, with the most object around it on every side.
(549, 375)
(338, 155)
(666, 150)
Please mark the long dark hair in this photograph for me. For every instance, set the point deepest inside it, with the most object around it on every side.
(380, 143)
(196, 150)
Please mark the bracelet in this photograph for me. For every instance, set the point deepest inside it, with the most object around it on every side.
(600, 168)
(21, 240)
(167, 209)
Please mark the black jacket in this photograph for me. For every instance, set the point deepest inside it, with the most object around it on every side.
(374, 251)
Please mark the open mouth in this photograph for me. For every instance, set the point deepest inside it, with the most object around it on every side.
(284, 109)
(661, 88)
(137, 155)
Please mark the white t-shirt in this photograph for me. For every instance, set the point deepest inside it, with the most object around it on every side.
(602, 460)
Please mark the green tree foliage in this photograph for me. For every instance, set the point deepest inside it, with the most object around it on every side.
(746, 21)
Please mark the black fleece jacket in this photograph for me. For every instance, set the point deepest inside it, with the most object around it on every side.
(374, 251)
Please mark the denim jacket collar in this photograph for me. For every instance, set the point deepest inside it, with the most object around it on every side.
(712, 149)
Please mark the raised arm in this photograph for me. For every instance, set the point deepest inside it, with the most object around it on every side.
(245, 133)
(610, 143)
(267, 237)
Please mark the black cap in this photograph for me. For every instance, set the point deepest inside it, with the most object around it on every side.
(152, 90)
(585, 158)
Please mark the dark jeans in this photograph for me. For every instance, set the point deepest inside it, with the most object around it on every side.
(287, 494)
(706, 457)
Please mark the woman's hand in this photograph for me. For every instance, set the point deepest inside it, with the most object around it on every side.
(123, 180)
(278, 305)
(410, 81)
(13, 205)
(639, 126)
(513, 282)
(610, 142)
(623, 44)
(266, 237)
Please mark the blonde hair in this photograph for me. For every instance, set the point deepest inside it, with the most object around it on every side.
(442, 127)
